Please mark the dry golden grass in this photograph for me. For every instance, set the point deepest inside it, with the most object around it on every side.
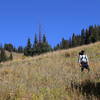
(51, 76)
(15, 55)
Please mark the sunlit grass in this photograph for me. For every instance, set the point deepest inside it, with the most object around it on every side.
(51, 76)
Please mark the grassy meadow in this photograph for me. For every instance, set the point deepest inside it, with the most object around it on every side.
(51, 76)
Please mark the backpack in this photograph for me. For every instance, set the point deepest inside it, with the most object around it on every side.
(83, 58)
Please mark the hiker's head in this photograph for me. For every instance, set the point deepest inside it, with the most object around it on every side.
(82, 52)
(79, 53)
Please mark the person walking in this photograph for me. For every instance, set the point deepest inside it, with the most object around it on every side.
(83, 61)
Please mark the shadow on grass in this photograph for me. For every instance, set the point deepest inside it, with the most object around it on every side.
(87, 88)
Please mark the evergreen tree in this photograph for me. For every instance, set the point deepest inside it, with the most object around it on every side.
(87, 37)
(35, 40)
(20, 49)
(78, 40)
(99, 33)
(70, 43)
(93, 37)
(28, 48)
(1, 46)
(57, 47)
(29, 44)
(40, 34)
(82, 37)
(44, 39)
(45, 47)
(35, 46)
(3, 56)
(8, 47)
(74, 41)
(64, 44)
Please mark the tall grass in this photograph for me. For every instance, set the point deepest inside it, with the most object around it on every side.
(52, 76)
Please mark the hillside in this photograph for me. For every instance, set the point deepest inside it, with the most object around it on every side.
(51, 76)
(15, 55)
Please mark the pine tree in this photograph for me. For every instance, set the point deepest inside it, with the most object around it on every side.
(40, 35)
(35, 40)
(20, 49)
(99, 33)
(82, 37)
(28, 48)
(38, 43)
(74, 41)
(44, 39)
(29, 44)
(1, 46)
(87, 37)
(70, 43)
(35, 46)
(93, 37)
(8, 47)
(64, 44)
(57, 47)
(3, 56)
(45, 47)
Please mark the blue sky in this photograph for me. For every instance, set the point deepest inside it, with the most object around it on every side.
(19, 19)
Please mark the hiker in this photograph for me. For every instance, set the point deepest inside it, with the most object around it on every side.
(83, 61)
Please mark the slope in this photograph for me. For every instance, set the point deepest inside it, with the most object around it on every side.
(52, 76)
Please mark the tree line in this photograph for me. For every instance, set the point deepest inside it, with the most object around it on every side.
(87, 36)
(41, 45)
